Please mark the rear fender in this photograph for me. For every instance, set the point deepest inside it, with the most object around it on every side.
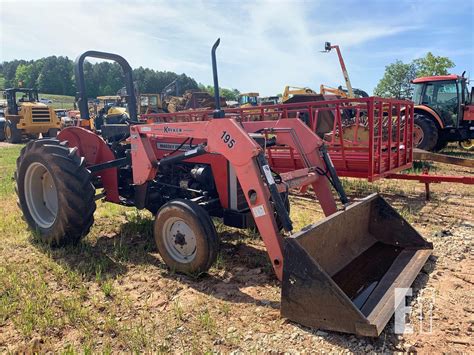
(95, 151)
(430, 112)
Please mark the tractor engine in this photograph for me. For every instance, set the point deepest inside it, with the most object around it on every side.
(187, 181)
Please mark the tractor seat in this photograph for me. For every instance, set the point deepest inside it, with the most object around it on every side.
(115, 132)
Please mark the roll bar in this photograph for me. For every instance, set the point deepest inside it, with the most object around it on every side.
(81, 86)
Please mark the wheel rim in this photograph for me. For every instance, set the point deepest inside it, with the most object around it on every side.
(8, 132)
(179, 240)
(467, 144)
(418, 135)
(41, 195)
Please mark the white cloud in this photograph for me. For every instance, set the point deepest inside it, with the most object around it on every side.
(264, 45)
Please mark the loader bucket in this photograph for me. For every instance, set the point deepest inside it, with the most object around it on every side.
(341, 273)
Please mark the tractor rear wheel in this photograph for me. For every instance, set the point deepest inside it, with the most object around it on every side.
(185, 237)
(55, 192)
(440, 144)
(425, 133)
(12, 134)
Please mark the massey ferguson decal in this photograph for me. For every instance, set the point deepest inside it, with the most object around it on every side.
(173, 146)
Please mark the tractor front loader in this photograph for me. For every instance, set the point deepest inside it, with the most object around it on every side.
(339, 274)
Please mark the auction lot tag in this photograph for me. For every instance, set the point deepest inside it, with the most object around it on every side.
(258, 211)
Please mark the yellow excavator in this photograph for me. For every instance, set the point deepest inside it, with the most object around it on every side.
(297, 94)
(327, 90)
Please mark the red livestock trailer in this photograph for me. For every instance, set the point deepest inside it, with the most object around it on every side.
(369, 138)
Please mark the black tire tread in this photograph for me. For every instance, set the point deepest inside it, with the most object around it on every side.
(440, 144)
(16, 133)
(2, 131)
(430, 131)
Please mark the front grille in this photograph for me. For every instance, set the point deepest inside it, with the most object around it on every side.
(40, 114)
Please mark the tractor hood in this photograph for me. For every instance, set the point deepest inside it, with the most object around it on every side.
(117, 111)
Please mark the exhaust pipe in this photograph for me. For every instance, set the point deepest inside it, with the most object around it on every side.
(342, 273)
(218, 112)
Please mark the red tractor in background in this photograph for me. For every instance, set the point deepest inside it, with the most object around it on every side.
(444, 112)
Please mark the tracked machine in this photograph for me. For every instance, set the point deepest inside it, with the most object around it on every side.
(340, 273)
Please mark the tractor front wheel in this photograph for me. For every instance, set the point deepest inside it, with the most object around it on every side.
(468, 144)
(55, 192)
(12, 134)
(425, 133)
(185, 237)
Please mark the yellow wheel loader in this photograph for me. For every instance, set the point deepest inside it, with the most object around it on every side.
(25, 116)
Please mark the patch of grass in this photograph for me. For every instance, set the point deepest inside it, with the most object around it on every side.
(74, 311)
(207, 322)
(26, 299)
(121, 250)
(359, 187)
(220, 262)
(8, 158)
(178, 310)
(407, 213)
(59, 101)
(107, 288)
(137, 223)
(419, 166)
(137, 337)
(225, 308)
(109, 210)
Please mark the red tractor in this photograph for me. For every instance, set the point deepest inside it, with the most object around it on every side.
(341, 273)
(444, 112)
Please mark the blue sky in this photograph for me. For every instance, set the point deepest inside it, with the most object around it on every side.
(265, 45)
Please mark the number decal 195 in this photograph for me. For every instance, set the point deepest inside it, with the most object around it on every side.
(226, 137)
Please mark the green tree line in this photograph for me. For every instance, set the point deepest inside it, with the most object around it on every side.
(229, 94)
(55, 75)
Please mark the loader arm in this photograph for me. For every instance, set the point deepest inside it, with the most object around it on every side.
(232, 140)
